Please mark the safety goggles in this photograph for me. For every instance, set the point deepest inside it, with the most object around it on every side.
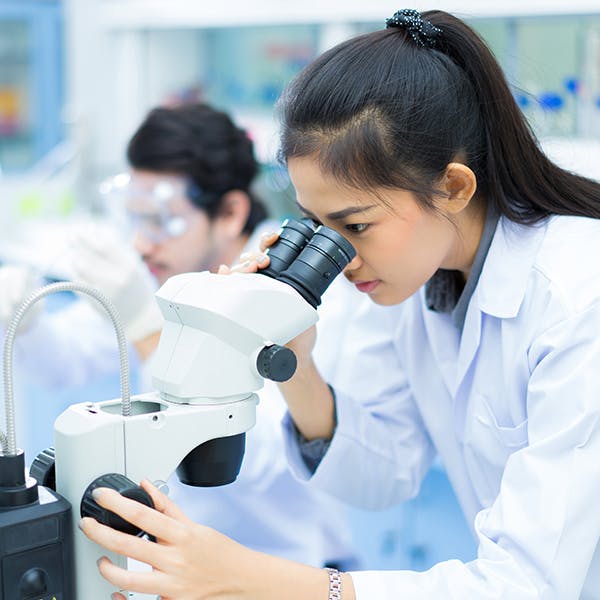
(158, 209)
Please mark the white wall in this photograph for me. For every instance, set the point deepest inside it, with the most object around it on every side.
(122, 55)
(578, 155)
(161, 13)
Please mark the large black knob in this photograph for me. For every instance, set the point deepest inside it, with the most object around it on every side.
(43, 468)
(276, 363)
(125, 487)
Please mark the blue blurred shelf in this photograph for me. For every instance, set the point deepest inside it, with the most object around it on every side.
(37, 73)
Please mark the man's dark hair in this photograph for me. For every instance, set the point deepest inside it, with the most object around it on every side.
(204, 145)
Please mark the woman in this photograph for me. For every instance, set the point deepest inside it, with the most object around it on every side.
(409, 143)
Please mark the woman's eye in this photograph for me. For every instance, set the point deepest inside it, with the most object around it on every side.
(356, 227)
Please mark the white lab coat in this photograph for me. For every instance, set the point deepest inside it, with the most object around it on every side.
(512, 407)
(266, 508)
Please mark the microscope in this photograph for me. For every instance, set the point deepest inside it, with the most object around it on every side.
(222, 336)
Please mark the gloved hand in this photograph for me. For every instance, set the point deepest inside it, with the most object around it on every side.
(103, 260)
(16, 283)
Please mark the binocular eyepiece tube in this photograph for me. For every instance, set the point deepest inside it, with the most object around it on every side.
(308, 258)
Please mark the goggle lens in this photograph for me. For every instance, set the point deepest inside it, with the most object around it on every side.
(147, 209)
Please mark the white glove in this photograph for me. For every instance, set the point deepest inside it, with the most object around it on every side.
(102, 260)
(16, 283)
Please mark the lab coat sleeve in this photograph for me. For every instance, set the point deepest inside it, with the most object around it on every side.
(537, 539)
(380, 450)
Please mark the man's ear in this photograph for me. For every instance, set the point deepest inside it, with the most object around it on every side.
(457, 186)
(234, 210)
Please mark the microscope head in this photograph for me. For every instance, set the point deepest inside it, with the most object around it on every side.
(224, 334)
(215, 329)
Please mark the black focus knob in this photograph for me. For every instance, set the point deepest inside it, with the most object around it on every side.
(43, 468)
(125, 487)
(276, 363)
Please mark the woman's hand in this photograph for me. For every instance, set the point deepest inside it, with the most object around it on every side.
(193, 562)
(189, 561)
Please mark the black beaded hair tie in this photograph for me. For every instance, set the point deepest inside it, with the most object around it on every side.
(422, 31)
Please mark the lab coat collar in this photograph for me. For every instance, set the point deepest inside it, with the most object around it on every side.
(505, 275)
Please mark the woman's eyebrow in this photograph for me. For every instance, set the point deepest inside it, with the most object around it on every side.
(339, 214)
(351, 210)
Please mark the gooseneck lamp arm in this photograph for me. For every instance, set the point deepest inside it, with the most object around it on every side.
(8, 439)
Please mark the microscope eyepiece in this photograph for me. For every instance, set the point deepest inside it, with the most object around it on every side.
(321, 260)
(294, 235)
(314, 266)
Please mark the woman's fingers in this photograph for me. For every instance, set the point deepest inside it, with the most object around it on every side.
(163, 503)
(123, 543)
(254, 262)
(268, 239)
(144, 517)
(154, 582)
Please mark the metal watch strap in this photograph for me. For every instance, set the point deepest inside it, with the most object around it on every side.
(335, 584)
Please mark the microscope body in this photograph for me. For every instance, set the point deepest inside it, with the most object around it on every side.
(93, 440)
(205, 374)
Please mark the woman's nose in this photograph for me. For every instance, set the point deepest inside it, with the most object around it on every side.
(353, 264)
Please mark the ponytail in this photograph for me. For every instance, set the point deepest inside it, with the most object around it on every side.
(412, 107)
(524, 183)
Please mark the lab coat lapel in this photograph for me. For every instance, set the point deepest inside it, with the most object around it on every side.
(469, 342)
(507, 269)
(501, 287)
(499, 293)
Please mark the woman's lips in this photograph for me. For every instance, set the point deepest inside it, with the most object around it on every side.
(366, 286)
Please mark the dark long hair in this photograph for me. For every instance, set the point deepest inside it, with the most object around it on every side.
(381, 110)
(203, 144)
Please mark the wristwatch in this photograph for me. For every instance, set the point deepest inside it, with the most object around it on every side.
(335, 584)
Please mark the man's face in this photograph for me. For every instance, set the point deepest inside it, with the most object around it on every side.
(171, 234)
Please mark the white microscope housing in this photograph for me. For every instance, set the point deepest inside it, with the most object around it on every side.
(222, 335)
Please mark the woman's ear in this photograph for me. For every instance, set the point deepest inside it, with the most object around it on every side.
(234, 210)
(457, 186)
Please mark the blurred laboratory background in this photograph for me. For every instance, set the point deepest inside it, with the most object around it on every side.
(78, 76)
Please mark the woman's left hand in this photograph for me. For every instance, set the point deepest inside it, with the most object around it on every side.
(189, 561)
